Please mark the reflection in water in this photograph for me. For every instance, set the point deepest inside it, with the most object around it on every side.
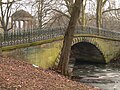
(42, 55)
(105, 76)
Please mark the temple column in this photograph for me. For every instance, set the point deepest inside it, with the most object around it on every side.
(24, 25)
(31, 24)
(19, 25)
(15, 25)
(28, 24)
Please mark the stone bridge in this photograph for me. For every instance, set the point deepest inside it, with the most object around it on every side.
(94, 48)
(89, 44)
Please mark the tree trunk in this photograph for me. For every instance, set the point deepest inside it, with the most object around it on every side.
(40, 12)
(83, 15)
(5, 35)
(65, 53)
(99, 15)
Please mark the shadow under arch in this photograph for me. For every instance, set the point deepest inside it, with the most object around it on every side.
(86, 51)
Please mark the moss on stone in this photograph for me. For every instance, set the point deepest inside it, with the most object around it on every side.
(7, 48)
(106, 45)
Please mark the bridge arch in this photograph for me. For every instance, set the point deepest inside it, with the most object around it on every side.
(86, 49)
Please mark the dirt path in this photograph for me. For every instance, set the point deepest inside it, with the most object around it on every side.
(19, 75)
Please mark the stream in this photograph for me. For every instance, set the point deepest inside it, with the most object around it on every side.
(104, 76)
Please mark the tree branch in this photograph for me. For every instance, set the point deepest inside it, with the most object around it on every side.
(61, 13)
(110, 10)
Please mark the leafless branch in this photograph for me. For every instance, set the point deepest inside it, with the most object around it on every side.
(115, 9)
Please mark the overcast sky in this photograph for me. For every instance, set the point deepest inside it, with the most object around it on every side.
(29, 8)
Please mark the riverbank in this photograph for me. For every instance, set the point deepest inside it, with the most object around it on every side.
(20, 75)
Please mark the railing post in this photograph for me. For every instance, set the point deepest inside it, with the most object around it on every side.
(29, 36)
(98, 31)
(1, 39)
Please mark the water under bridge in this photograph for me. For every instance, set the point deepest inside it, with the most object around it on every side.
(89, 44)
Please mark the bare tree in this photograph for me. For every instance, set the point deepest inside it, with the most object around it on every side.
(83, 13)
(68, 10)
(64, 58)
(6, 11)
(112, 16)
(100, 5)
(43, 11)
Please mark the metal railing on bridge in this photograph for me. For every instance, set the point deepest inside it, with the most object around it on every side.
(15, 37)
